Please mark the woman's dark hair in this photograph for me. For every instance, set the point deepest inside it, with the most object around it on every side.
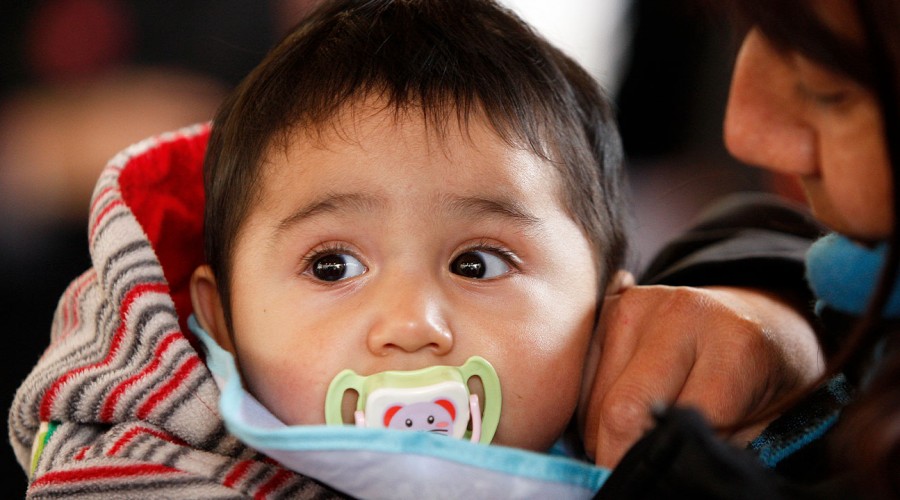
(443, 58)
(869, 438)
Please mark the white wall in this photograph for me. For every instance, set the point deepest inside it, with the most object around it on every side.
(593, 32)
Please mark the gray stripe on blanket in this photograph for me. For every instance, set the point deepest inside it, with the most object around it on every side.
(119, 255)
(85, 399)
(151, 385)
(96, 346)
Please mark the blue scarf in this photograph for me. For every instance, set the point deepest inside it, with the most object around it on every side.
(844, 275)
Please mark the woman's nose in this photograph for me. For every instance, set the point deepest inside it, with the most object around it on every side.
(409, 318)
(764, 122)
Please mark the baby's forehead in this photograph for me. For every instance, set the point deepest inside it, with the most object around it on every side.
(366, 151)
(456, 137)
(442, 128)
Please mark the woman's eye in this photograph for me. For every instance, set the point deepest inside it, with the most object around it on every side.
(820, 85)
(830, 98)
(336, 267)
(823, 98)
(478, 264)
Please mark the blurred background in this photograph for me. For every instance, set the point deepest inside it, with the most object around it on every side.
(82, 79)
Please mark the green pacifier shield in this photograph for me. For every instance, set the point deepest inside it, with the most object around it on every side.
(391, 399)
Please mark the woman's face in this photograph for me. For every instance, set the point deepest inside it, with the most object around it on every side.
(791, 115)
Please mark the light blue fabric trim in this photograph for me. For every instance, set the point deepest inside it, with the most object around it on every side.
(267, 433)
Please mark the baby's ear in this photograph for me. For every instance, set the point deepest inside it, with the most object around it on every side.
(620, 281)
(208, 308)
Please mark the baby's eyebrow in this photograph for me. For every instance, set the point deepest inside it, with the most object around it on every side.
(330, 203)
(478, 207)
(460, 206)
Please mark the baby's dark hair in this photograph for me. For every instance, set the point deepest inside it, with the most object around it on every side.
(443, 58)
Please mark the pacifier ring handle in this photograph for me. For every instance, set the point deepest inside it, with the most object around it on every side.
(475, 414)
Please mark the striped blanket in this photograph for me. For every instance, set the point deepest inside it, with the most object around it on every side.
(121, 404)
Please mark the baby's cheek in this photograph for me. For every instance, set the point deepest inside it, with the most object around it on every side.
(290, 396)
(537, 411)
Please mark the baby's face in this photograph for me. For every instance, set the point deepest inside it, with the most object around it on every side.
(386, 247)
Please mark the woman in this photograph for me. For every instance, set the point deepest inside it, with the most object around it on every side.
(819, 101)
(814, 95)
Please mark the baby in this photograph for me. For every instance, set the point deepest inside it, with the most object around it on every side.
(402, 187)
(407, 184)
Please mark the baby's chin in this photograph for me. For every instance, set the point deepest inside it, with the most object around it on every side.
(295, 420)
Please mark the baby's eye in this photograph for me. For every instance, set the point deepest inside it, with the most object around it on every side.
(479, 264)
(336, 267)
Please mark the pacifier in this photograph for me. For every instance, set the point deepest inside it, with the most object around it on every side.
(435, 399)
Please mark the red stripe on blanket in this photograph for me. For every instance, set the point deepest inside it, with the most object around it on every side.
(81, 453)
(272, 484)
(96, 202)
(108, 208)
(237, 473)
(99, 197)
(160, 395)
(106, 414)
(73, 318)
(104, 472)
(134, 432)
(133, 294)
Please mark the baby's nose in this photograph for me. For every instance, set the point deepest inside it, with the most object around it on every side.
(409, 320)
(409, 336)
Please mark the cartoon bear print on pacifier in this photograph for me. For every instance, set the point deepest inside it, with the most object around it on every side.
(434, 399)
(436, 416)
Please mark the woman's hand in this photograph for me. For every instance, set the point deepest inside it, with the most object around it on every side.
(728, 352)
